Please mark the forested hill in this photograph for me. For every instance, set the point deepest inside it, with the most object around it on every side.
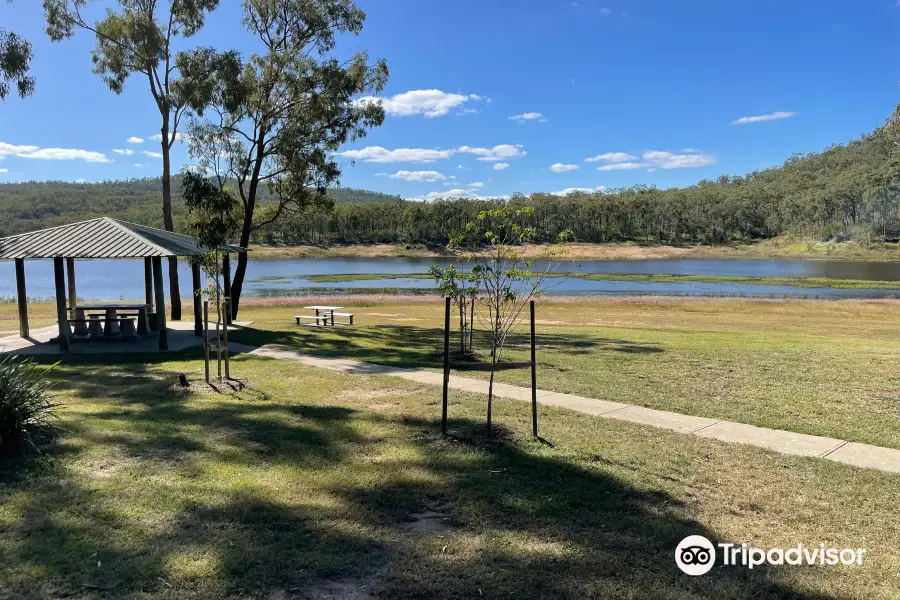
(41, 204)
(847, 191)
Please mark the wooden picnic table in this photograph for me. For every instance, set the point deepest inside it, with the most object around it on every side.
(328, 310)
(110, 311)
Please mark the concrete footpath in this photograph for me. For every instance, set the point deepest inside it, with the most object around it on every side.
(786, 442)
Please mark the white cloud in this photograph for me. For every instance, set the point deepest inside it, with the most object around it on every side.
(611, 157)
(656, 155)
(658, 159)
(775, 116)
(431, 103)
(686, 161)
(561, 168)
(126, 151)
(419, 176)
(625, 166)
(377, 154)
(495, 154)
(530, 116)
(139, 165)
(567, 191)
(471, 191)
(65, 154)
(13, 150)
(151, 154)
(605, 12)
(135, 140)
(4, 170)
(471, 194)
(501, 166)
(79, 181)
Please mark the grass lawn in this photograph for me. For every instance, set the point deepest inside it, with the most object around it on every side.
(315, 484)
(824, 368)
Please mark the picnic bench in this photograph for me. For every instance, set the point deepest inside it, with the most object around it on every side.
(324, 316)
(106, 321)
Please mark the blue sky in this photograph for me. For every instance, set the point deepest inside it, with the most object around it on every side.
(648, 90)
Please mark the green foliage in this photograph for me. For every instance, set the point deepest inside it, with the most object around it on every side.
(213, 211)
(15, 59)
(495, 245)
(463, 288)
(40, 204)
(282, 113)
(26, 412)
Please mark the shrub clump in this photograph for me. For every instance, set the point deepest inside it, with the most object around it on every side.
(26, 412)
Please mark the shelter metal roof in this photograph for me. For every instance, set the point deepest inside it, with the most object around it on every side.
(103, 238)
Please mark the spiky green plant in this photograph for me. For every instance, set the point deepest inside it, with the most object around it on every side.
(26, 412)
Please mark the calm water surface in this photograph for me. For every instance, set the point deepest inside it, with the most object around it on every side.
(124, 279)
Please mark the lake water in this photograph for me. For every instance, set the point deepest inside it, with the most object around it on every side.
(124, 279)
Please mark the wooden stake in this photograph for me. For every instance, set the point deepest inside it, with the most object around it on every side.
(534, 414)
(446, 362)
(226, 285)
(206, 340)
(225, 337)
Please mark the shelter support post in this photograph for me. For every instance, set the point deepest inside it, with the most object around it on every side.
(59, 274)
(160, 303)
(198, 301)
(22, 298)
(226, 282)
(148, 282)
(80, 327)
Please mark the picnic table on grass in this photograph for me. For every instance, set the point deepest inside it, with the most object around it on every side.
(324, 315)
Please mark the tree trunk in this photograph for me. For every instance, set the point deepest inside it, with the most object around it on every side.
(168, 224)
(491, 388)
(237, 282)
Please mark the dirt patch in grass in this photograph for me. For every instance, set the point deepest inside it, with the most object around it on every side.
(372, 394)
(326, 590)
(429, 522)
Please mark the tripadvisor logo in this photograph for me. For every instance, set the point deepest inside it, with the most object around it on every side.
(696, 555)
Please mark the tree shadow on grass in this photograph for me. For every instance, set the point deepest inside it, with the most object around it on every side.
(152, 418)
(419, 347)
(514, 521)
(521, 525)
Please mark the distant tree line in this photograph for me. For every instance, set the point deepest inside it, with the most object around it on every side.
(40, 204)
(845, 192)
